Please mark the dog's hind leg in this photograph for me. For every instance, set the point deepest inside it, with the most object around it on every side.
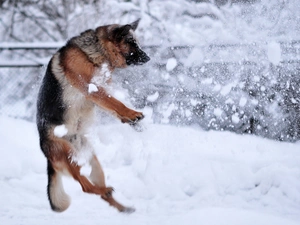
(62, 163)
(97, 177)
(59, 200)
(86, 185)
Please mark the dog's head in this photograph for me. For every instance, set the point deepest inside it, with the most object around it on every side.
(124, 44)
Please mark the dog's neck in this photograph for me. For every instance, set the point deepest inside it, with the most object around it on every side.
(89, 43)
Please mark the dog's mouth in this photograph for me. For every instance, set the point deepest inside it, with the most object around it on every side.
(137, 59)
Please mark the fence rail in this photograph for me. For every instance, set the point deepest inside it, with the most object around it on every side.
(30, 46)
(291, 48)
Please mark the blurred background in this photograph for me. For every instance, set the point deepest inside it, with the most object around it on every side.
(229, 65)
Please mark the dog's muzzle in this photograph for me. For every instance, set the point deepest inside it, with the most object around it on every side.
(137, 58)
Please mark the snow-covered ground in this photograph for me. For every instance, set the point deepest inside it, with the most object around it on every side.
(171, 175)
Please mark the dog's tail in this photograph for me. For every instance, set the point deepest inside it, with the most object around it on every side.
(59, 200)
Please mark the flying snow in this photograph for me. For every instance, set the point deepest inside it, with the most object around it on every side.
(226, 89)
(102, 75)
(60, 131)
(274, 52)
(171, 64)
(167, 112)
(154, 97)
(243, 101)
(218, 112)
(207, 81)
(92, 88)
(196, 57)
(235, 118)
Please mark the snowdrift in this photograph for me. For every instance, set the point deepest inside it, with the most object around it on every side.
(171, 175)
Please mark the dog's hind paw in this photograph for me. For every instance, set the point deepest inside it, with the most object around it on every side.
(128, 210)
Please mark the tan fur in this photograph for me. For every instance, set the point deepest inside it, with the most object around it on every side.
(60, 197)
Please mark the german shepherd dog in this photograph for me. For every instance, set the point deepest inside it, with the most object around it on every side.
(75, 81)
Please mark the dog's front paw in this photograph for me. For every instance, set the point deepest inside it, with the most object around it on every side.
(136, 119)
(132, 117)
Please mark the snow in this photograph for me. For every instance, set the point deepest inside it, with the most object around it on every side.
(102, 75)
(195, 58)
(167, 111)
(153, 97)
(60, 131)
(105, 71)
(218, 112)
(227, 88)
(207, 81)
(171, 175)
(235, 118)
(92, 88)
(171, 64)
(274, 52)
(243, 101)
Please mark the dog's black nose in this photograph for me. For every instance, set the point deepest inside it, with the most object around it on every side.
(145, 58)
(137, 58)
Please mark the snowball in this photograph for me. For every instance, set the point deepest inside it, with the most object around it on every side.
(202, 69)
(274, 52)
(254, 102)
(243, 101)
(207, 81)
(256, 78)
(229, 101)
(293, 100)
(188, 113)
(92, 88)
(153, 98)
(235, 118)
(217, 87)
(85, 170)
(171, 64)
(218, 112)
(226, 89)
(60, 131)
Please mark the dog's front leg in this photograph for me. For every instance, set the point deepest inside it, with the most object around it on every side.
(79, 71)
(104, 100)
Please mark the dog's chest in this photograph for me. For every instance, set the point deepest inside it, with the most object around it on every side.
(101, 76)
(78, 110)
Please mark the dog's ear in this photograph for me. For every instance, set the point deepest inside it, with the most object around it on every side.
(120, 32)
(135, 24)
